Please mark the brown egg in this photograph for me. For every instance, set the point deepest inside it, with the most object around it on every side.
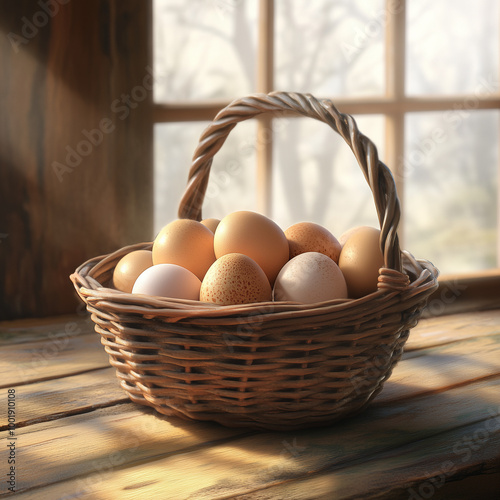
(129, 267)
(256, 236)
(211, 224)
(310, 237)
(235, 278)
(360, 261)
(187, 243)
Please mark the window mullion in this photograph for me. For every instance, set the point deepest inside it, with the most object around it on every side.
(395, 90)
(265, 84)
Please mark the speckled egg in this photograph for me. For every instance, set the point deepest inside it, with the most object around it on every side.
(235, 278)
(310, 277)
(311, 237)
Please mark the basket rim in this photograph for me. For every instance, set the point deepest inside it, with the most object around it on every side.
(93, 292)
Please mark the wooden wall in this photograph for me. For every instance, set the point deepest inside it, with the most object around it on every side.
(75, 143)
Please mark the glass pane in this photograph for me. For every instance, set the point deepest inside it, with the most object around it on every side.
(232, 178)
(451, 193)
(204, 50)
(330, 48)
(316, 177)
(459, 37)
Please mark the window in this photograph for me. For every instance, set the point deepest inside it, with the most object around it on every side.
(420, 77)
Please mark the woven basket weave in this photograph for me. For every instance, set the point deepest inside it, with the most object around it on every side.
(272, 365)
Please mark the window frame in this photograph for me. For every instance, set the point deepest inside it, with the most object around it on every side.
(394, 106)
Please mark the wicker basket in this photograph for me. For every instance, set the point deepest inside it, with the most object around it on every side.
(272, 365)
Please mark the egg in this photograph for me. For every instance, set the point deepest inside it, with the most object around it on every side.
(235, 278)
(310, 237)
(211, 224)
(310, 277)
(256, 236)
(129, 267)
(360, 261)
(168, 280)
(188, 244)
(345, 236)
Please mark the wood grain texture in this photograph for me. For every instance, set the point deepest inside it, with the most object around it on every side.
(453, 328)
(61, 397)
(247, 463)
(436, 424)
(409, 472)
(55, 357)
(66, 90)
(87, 447)
(33, 330)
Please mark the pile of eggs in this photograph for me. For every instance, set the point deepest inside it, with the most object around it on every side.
(246, 257)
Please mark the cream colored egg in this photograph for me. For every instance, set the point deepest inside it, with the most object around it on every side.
(168, 280)
(235, 278)
(345, 236)
(311, 237)
(360, 261)
(211, 224)
(129, 267)
(310, 277)
(256, 236)
(186, 243)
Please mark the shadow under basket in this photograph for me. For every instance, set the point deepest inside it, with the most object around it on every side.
(269, 365)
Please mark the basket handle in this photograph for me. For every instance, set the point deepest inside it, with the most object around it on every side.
(377, 174)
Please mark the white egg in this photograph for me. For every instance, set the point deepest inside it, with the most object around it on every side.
(310, 277)
(168, 280)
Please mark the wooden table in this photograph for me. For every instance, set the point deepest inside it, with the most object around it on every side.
(433, 432)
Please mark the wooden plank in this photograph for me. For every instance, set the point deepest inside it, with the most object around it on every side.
(453, 470)
(91, 444)
(453, 328)
(440, 368)
(76, 142)
(58, 356)
(75, 454)
(43, 329)
(61, 397)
